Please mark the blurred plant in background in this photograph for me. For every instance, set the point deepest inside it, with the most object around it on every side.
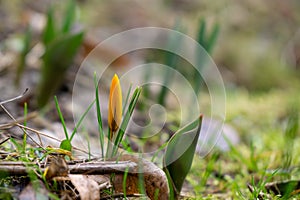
(207, 41)
(61, 45)
(205, 38)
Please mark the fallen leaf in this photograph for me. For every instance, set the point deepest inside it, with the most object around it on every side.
(86, 186)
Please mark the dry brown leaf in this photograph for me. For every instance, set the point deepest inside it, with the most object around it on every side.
(88, 188)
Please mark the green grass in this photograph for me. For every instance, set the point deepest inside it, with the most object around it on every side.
(99, 118)
(25, 124)
(268, 126)
(66, 143)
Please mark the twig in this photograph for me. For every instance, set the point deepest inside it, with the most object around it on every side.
(19, 168)
(19, 120)
(14, 98)
(102, 167)
(48, 136)
(4, 140)
(21, 128)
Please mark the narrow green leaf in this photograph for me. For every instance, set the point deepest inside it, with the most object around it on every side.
(207, 42)
(126, 119)
(141, 178)
(49, 31)
(200, 58)
(178, 161)
(61, 117)
(109, 144)
(69, 17)
(212, 39)
(201, 32)
(19, 147)
(99, 118)
(124, 184)
(80, 120)
(25, 124)
(126, 99)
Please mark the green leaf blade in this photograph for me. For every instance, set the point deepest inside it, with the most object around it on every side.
(69, 17)
(178, 161)
(49, 31)
(61, 117)
(126, 119)
(99, 118)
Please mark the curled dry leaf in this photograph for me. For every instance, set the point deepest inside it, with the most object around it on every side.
(87, 187)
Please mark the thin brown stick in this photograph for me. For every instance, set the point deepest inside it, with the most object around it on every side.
(48, 136)
(14, 98)
(96, 168)
(12, 117)
(18, 120)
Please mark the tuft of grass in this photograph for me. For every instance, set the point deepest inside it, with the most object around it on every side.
(66, 143)
(209, 169)
(259, 187)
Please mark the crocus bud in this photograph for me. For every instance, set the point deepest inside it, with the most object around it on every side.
(115, 105)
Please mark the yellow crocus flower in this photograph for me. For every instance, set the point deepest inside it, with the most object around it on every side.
(115, 105)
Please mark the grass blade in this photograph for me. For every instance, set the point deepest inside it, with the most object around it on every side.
(99, 118)
(49, 31)
(126, 99)
(25, 124)
(69, 17)
(81, 119)
(126, 119)
(201, 33)
(212, 38)
(61, 117)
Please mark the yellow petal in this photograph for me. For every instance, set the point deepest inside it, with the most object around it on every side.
(115, 104)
